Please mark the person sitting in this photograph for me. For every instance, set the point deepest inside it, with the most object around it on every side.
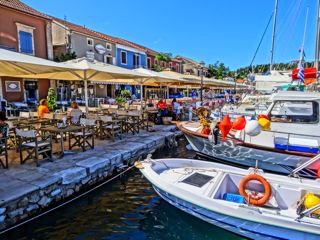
(176, 108)
(162, 104)
(43, 108)
(150, 104)
(75, 113)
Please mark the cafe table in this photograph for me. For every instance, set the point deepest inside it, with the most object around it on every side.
(62, 132)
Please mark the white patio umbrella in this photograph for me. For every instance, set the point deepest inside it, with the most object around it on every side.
(84, 70)
(13, 64)
(156, 78)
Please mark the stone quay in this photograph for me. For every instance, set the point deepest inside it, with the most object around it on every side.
(27, 190)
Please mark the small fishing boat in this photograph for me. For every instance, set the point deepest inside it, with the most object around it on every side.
(292, 139)
(279, 207)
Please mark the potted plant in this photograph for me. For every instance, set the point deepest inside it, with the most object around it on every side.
(120, 101)
(52, 99)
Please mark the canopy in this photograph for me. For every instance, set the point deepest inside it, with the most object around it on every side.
(13, 64)
(82, 69)
(308, 73)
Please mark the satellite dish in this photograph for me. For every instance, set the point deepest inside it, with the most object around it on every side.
(100, 49)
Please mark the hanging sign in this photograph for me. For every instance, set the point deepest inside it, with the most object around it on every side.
(100, 49)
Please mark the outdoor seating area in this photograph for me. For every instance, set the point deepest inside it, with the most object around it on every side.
(33, 139)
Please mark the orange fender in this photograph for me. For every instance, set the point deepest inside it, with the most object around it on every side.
(225, 127)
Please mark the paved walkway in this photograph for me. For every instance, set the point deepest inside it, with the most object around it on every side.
(24, 188)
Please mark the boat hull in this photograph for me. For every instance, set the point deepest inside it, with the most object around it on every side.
(249, 229)
(229, 151)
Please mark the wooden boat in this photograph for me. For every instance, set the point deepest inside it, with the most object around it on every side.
(210, 191)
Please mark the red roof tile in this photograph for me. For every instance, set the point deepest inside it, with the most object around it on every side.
(20, 6)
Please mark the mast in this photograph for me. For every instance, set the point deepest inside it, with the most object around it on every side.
(274, 32)
(304, 36)
(316, 59)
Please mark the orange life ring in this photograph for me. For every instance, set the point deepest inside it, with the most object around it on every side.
(267, 189)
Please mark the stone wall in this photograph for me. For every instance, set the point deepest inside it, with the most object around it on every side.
(33, 190)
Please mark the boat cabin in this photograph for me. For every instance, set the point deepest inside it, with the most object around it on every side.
(294, 120)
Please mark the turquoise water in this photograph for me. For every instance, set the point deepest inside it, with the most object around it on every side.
(127, 208)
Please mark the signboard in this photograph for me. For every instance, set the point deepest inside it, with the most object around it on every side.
(100, 49)
(90, 55)
(13, 86)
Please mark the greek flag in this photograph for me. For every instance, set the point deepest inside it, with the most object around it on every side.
(301, 71)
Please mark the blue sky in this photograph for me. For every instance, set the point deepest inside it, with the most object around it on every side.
(210, 30)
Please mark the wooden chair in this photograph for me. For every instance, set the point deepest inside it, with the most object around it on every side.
(4, 150)
(34, 146)
(82, 138)
(133, 121)
(25, 115)
(109, 127)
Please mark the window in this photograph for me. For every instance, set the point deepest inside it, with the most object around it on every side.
(136, 60)
(90, 42)
(295, 112)
(123, 57)
(25, 37)
(156, 61)
(108, 46)
(25, 42)
(149, 63)
(170, 65)
(108, 59)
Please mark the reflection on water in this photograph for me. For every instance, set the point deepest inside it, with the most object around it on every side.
(127, 208)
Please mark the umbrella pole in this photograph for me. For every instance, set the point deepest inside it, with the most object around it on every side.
(141, 96)
(86, 90)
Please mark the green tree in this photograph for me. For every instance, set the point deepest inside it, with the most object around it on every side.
(164, 57)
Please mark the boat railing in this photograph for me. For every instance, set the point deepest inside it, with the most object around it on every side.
(285, 135)
(308, 211)
(305, 165)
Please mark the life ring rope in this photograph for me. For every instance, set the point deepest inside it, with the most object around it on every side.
(255, 201)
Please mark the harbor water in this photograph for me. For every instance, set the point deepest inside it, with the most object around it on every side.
(126, 208)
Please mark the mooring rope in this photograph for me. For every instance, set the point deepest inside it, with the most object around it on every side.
(65, 203)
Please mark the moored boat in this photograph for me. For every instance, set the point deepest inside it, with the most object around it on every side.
(210, 191)
(292, 139)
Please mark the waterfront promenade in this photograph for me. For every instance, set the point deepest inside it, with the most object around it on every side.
(27, 190)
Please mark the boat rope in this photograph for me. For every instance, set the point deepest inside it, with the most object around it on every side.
(264, 33)
(67, 202)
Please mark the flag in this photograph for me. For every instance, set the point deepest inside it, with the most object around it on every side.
(301, 71)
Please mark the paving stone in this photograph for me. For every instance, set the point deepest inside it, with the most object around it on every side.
(72, 175)
(11, 189)
(94, 163)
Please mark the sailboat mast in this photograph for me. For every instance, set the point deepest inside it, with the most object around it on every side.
(274, 32)
(316, 59)
(304, 36)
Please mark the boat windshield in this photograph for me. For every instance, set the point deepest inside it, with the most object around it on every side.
(295, 112)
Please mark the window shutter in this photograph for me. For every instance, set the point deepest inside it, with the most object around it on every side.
(25, 42)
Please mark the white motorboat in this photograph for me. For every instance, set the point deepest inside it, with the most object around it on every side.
(294, 136)
(249, 105)
(210, 191)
